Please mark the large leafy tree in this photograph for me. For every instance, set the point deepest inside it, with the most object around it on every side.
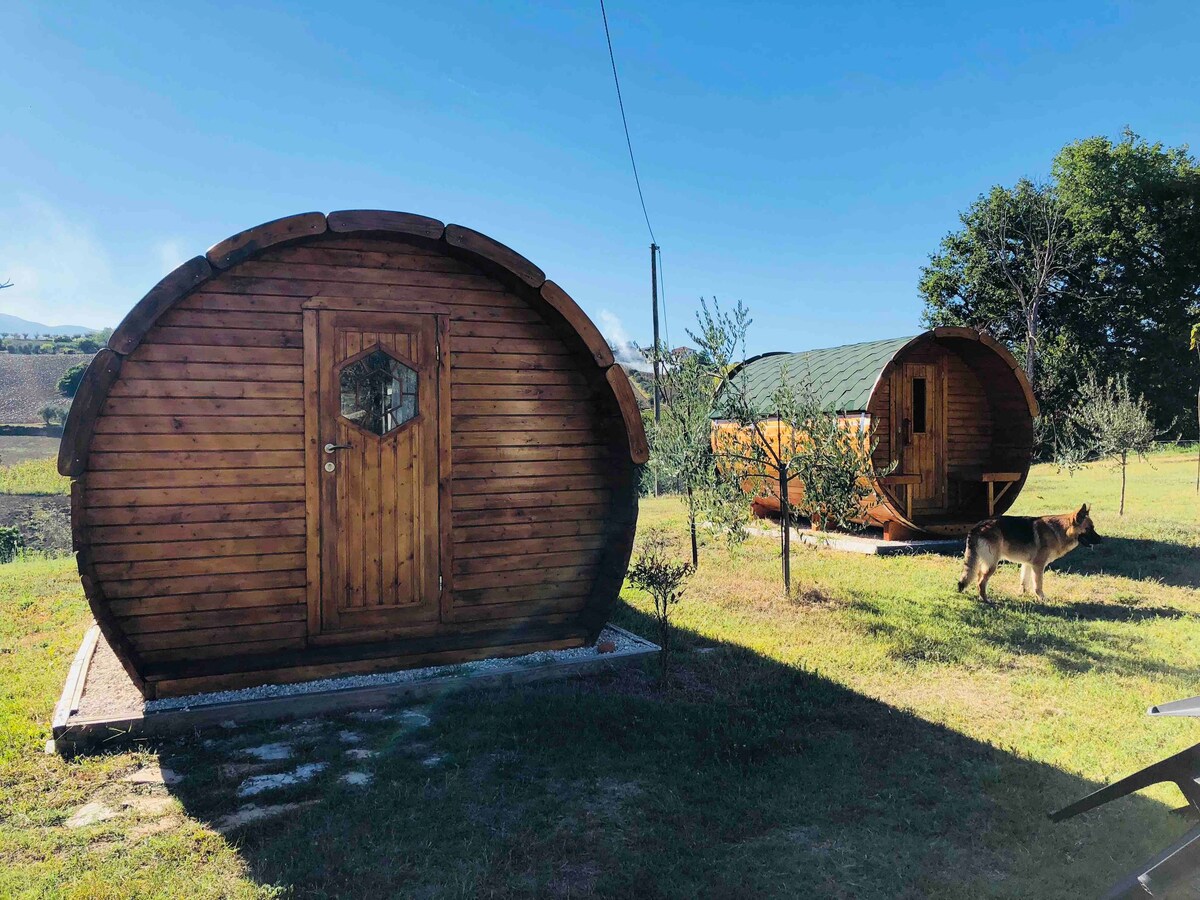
(1194, 344)
(1095, 271)
(1005, 269)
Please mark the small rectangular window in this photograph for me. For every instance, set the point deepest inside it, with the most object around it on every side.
(918, 402)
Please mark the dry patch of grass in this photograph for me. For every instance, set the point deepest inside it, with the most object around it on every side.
(33, 476)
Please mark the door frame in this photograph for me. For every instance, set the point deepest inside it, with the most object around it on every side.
(935, 427)
(313, 460)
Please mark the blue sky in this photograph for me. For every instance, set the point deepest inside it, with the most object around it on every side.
(804, 158)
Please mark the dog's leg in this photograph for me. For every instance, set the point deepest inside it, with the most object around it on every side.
(1038, 573)
(1026, 578)
(983, 580)
(970, 562)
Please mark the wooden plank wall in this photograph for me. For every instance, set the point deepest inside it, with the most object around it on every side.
(969, 431)
(194, 498)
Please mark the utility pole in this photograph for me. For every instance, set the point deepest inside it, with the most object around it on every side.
(654, 301)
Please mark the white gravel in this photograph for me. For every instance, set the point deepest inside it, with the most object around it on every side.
(483, 666)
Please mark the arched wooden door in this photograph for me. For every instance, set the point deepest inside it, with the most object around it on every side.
(374, 430)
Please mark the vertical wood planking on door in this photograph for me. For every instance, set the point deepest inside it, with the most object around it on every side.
(353, 571)
(367, 501)
(389, 454)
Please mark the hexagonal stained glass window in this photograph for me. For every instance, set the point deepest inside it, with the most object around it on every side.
(379, 393)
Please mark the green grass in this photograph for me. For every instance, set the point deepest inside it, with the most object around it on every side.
(875, 735)
(34, 476)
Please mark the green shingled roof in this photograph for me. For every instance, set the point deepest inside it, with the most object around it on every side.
(842, 376)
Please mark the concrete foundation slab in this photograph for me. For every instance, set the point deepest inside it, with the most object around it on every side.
(868, 544)
(100, 706)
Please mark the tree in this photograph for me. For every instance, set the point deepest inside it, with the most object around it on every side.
(655, 572)
(1135, 213)
(53, 415)
(682, 445)
(1114, 423)
(1008, 262)
(787, 440)
(836, 468)
(1124, 216)
(68, 384)
(1195, 345)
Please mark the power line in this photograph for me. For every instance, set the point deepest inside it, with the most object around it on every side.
(625, 122)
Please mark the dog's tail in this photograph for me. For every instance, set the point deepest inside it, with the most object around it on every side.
(970, 560)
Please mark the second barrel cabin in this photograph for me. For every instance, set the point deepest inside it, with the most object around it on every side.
(951, 409)
(347, 443)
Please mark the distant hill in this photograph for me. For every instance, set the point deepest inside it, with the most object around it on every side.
(17, 325)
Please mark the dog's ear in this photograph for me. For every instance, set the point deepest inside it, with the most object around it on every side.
(1082, 514)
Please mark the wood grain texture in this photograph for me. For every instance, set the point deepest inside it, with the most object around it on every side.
(577, 319)
(986, 417)
(101, 374)
(246, 244)
(480, 245)
(635, 431)
(1018, 371)
(160, 298)
(355, 220)
(203, 495)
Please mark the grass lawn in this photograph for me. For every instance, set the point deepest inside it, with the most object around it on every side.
(876, 735)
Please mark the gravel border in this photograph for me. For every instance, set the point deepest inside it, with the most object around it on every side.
(623, 641)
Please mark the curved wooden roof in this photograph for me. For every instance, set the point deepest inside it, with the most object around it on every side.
(489, 254)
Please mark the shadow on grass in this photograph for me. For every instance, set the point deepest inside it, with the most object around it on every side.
(1141, 559)
(1073, 637)
(743, 777)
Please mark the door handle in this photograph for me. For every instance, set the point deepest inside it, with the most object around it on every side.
(905, 428)
(330, 448)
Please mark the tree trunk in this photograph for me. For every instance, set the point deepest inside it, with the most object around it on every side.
(691, 502)
(1031, 328)
(664, 638)
(1124, 462)
(785, 519)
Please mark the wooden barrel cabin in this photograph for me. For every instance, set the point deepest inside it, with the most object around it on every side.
(951, 407)
(348, 443)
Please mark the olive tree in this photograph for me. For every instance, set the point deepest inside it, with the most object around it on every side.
(656, 571)
(786, 440)
(682, 451)
(1114, 423)
(1195, 345)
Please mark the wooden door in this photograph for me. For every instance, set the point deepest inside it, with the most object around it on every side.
(373, 453)
(922, 434)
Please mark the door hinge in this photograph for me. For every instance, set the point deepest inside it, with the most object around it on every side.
(437, 349)
(440, 588)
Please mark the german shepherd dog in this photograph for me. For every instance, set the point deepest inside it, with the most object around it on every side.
(1034, 543)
